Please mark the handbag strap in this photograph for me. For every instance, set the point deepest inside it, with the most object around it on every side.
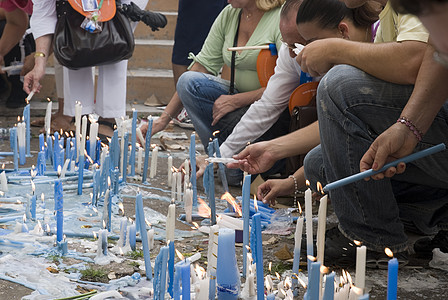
(232, 64)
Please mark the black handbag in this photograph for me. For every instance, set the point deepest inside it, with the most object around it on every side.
(75, 47)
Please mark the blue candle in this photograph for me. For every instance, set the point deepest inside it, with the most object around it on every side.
(270, 297)
(368, 173)
(329, 287)
(95, 176)
(144, 236)
(171, 269)
(313, 282)
(56, 162)
(13, 143)
(49, 149)
(132, 236)
(246, 215)
(26, 116)
(59, 206)
(87, 161)
(124, 168)
(98, 151)
(182, 274)
(68, 148)
(80, 173)
(116, 150)
(392, 279)
(160, 274)
(364, 297)
(133, 141)
(257, 252)
(41, 141)
(228, 282)
(62, 246)
(33, 207)
(147, 146)
(297, 250)
(221, 169)
(115, 178)
(41, 163)
(211, 186)
(193, 168)
(102, 241)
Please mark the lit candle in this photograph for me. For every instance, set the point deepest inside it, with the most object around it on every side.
(321, 227)
(115, 149)
(33, 202)
(211, 194)
(227, 269)
(56, 161)
(41, 163)
(170, 222)
(13, 142)
(154, 155)
(313, 281)
(147, 148)
(169, 173)
(246, 216)
(297, 248)
(150, 238)
(107, 213)
(59, 207)
(212, 256)
(80, 173)
(41, 141)
(123, 231)
(65, 167)
(26, 117)
(144, 236)
(188, 203)
(171, 268)
(173, 185)
(361, 267)
(309, 224)
(133, 141)
(192, 153)
(124, 169)
(392, 276)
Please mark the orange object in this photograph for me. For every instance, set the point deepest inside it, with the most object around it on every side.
(265, 66)
(303, 94)
(107, 10)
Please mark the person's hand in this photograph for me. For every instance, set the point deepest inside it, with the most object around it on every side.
(2, 62)
(223, 105)
(316, 57)
(255, 159)
(28, 65)
(201, 164)
(273, 188)
(158, 125)
(396, 142)
(31, 81)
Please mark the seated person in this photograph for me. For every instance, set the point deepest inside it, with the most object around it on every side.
(258, 25)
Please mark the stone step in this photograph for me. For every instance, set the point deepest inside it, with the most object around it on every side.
(163, 5)
(141, 85)
(151, 54)
(144, 32)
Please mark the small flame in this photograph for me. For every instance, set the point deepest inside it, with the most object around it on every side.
(278, 276)
(121, 207)
(255, 203)
(39, 225)
(203, 209)
(288, 282)
(215, 133)
(344, 277)
(357, 243)
(307, 182)
(302, 282)
(67, 134)
(47, 228)
(94, 235)
(24, 218)
(320, 188)
(48, 99)
(312, 258)
(270, 266)
(18, 118)
(200, 271)
(3, 166)
(283, 292)
(33, 187)
(181, 257)
(324, 269)
(71, 133)
(299, 207)
(95, 209)
(104, 224)
(19, 202)
(108, 181)
(389, 252)
(268, 284)
(121, 251)
(229, 198)
(349, 278)
(59, 170)
(42, 197)
(196, 225)
(148, 223)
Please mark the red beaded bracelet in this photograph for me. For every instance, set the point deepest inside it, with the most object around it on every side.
(418, 134)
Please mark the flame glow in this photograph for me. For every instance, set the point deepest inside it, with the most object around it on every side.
(229, 198)
(324, 269)
(121, 207)
(320, 188)
(33, 187)
(255, 204)
(357, 243)
(200, 271)
(203, 209)
(215, 133)
(312, 258)
(302, 282)
(181, 257)
(307, 182)
(389, 252)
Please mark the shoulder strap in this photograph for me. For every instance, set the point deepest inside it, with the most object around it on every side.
(232, 65)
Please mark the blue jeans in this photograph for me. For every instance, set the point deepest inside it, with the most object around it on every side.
(353, 109)
(198, 93)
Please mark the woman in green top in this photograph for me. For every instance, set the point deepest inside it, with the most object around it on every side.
(204, 94)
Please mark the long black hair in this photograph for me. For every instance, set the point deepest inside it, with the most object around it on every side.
(329, 13)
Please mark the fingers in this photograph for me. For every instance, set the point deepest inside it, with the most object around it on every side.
(243, 154)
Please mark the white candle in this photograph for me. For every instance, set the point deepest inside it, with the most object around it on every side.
(78, 111)
(309, 223)
(83, 137)
(170, 166)
(48, 118)
(64, 168)
(154, 156)
(139, 160)
(251, 285)
(212, 249)
(123, 230)
(4, 182)
(355, 293)
(140, 138)
(102, 242)
(150, 239)
(188, 204)
(170, 222)
(321, 227)
(187, 171)
(173, 185)
(179, 186)
(361, 267)
(93, 134)
(195, 257)
(202, 289)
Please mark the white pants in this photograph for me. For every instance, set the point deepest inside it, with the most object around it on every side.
(110, 98)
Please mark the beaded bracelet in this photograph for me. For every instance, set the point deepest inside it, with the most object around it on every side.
(296, 189)
(418, 134)
(171, 117)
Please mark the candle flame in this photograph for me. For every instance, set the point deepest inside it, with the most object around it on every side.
(278, 276)
(48, 99)
(42, 197)
(181, 257)
(3, 166)
(270, 266)
(203, 209)
(94, 235)
(349, 278)
(215, 133)
(301, 282)
(307, 182)
(357, 243)
(33, 187)
(19, 202)
(95, 209)
(108, 181)
(312, 258)
(121, 207)
(71, 133)
(320, 188)
(255, 203)
(389, 252)
(200, 271)
(229, 198)
(59, 170)
(47, 228)
(18, 118)
(39, 225)
(24, 218)
(121, 251)
(196, 225)
(147, 223)
(67, 134)
(268, 284)
(344, 277)
(324, 269)
(288, 282)
(104, 224)
(299, 207)
(281, 290)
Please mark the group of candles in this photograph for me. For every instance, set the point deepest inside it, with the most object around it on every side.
(222, 274)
